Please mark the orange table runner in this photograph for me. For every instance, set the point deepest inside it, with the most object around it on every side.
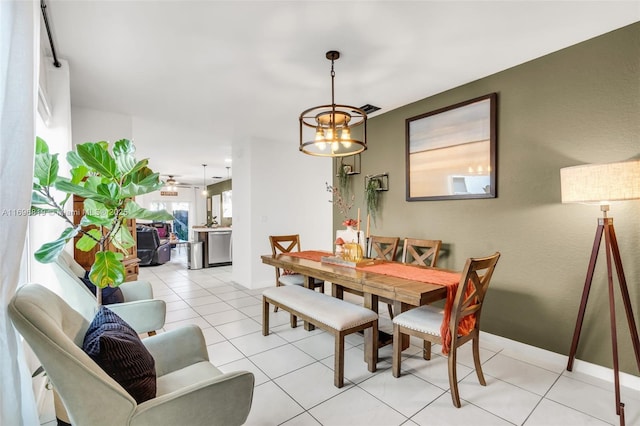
(310, 254)
(448, 279)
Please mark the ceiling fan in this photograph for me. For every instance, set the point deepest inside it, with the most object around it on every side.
(172, 184)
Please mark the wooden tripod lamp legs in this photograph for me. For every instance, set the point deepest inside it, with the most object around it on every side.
(605, 225)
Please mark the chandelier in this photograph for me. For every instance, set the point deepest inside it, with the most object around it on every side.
(332, 125)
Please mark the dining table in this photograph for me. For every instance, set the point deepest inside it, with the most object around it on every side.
(407, 286)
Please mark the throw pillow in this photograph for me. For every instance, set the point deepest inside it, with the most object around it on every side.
(118, 350)
(110, 295)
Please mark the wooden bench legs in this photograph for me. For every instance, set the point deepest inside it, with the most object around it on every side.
(371, 348)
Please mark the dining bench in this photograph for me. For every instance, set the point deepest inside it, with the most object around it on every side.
(328, 313)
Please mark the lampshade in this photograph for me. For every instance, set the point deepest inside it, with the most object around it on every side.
(326, 130)
(600, 183)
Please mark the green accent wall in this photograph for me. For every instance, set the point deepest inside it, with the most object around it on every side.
(575, 106)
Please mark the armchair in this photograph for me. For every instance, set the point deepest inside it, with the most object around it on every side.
(140, 310)
(151, 250)
(190, 390)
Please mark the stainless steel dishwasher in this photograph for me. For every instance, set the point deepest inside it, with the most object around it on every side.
(220, 247)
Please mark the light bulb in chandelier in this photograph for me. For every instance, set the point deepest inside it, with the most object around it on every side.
(345, 134)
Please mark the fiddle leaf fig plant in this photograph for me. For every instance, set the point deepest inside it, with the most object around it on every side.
(108, 182)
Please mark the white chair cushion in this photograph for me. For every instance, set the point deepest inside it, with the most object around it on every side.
(334, 312)
(295, 279)
(425, 319)
(291, 279)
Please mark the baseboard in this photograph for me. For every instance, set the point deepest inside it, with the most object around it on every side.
(558, 362)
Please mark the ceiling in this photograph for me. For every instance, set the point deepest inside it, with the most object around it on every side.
(207, 74)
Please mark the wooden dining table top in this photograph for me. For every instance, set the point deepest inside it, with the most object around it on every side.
(403, 290)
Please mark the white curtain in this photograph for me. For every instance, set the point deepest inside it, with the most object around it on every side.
(19, 35)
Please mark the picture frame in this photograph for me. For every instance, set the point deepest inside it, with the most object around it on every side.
(451, 152)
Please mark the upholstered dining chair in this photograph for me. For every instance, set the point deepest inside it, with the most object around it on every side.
(421, 252)
(426, 322)
(189, 390)
(144, 313)
(286, 244)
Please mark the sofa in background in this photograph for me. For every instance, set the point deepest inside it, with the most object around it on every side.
(151, 250)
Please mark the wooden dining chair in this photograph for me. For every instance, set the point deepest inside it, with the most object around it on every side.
(286, 244)
(384, 248)
(425, 321)
(421, 252)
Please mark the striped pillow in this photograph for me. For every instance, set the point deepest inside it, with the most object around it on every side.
(118, 350)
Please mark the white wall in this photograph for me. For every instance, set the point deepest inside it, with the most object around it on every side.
(276, 190)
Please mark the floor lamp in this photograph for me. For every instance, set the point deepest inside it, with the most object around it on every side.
(603, 183)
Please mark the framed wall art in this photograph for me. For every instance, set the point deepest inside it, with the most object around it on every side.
(451, 152)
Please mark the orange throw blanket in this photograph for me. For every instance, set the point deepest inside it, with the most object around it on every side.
(444, 278)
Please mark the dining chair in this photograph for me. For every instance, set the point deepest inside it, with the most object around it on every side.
(286, 244)
(382, 247)
(425, 322)
(421, 252)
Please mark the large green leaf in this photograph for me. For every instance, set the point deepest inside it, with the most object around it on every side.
(41, 146)
(88, 242)
(134, 211)
(107, 269)
(123, 151)
(92, 182)
(45, 169)
(79, 173)
(139, 166)
(111, 191)
(72, 188)
(74, 159)
(50, 251)
(93, 208)
(98, 158)
(88, 220)
(142, 182)
(38, 198)
(122, 238)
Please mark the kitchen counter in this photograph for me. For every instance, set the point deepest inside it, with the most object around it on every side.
(217, 245)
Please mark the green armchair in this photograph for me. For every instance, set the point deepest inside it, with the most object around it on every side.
(190, 390)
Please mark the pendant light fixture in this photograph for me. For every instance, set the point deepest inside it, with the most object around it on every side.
(204, 180)
(326, 130)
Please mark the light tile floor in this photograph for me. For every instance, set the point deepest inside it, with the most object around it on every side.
(293, 368)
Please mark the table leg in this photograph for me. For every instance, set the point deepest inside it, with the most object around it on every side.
(308, 283)
(399, 307)
(337, 291)
(370, 302)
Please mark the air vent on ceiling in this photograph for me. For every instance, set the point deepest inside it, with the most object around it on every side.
(368, 108)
